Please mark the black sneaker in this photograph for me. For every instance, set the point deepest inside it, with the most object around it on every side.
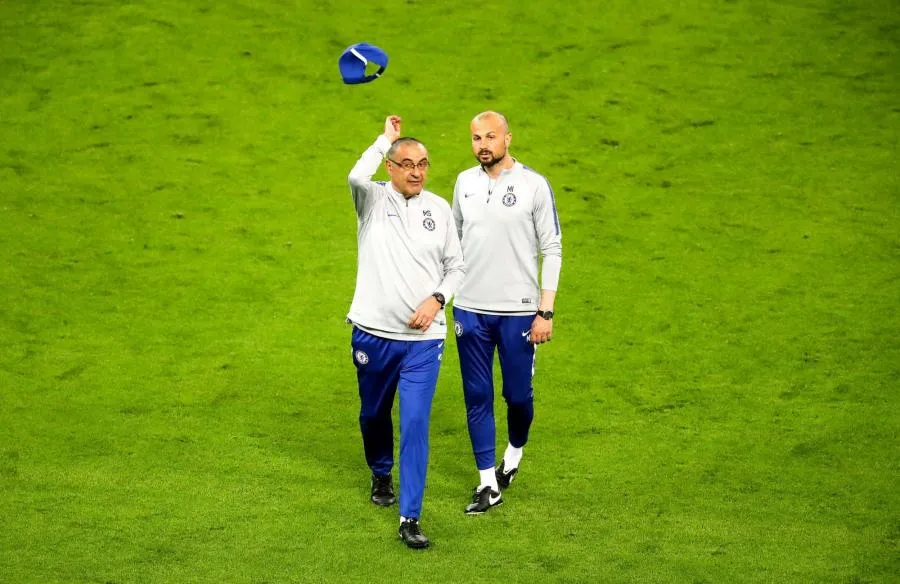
(482, 500)
(412, 535)
(503, 477)
(383, 490)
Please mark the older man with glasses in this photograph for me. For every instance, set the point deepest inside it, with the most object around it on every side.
(409, 264)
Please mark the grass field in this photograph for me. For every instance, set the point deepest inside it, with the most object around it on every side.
(720, 401)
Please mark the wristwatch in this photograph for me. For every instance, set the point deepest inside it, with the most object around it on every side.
(440, 298)
(545, 314)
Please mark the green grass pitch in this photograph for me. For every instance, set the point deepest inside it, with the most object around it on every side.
(719, 403)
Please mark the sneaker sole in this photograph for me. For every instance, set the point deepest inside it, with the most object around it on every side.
(415, 546)
(497, 504)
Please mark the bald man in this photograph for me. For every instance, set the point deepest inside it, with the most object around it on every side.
(409, 264)
(506, 217)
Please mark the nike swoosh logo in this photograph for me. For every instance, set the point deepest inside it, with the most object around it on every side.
(493, 500)
(526, 333)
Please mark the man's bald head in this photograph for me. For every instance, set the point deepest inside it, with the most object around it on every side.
(492, 118)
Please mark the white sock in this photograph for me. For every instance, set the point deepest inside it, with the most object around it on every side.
(488, 479)
(402, 519)
(512, 457)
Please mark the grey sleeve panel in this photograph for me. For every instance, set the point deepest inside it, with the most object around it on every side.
(550, 269)
(454, 266)
(549, 235)
(457, 212)
(363, 191)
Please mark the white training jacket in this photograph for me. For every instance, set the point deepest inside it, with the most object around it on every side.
(408, 250)
(504, 225)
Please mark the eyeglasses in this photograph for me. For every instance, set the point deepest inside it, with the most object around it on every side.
(409, 165)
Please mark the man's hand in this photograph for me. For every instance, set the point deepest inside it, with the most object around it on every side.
(422, 318)
(541, 330)
(392, 128)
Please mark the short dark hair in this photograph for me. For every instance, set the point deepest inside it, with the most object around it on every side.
(399, 142)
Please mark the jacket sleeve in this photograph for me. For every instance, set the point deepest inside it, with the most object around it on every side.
(362, 190)
(546, 226)
(454, 266)
(457, 210)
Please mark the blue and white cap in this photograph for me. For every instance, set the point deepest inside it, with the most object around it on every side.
(354, 59)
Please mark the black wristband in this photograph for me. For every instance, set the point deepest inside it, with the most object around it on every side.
(440, 298)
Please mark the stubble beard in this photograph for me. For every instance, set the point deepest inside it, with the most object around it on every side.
(493, 160)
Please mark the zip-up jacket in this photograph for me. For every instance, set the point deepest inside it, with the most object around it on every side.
(505, 225)
(408, 249)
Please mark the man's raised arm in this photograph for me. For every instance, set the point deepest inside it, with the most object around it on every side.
(360, 178)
